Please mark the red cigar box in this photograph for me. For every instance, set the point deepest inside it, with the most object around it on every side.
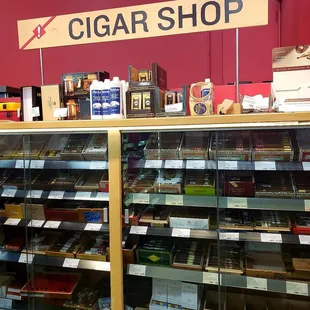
(13, 116)
(62, 211)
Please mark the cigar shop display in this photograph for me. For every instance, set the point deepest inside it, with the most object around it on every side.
(189, 255)
(199, 183)
(169, 181)
(194, 145)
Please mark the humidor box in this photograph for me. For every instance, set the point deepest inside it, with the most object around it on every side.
(272, 146)
(230, 259)
(51, 285)
(94, 248)
(238, 183)
(62, 211)
(54, 147)
(96, 147)
(274, 184)
(190, 254)
(163, 146)
(302, 137)
(155, 251)
(64, 180)
(271, 221)
(199, 183)
(15, 244)
(191, 218)
(235, 145)
(169, 181)
(194, 145)
(268, 266)
(74, 147)
(157, 216)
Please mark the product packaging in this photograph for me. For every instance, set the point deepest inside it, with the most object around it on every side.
(52, 99)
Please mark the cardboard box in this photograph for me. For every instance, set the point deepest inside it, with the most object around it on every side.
(52, 99)
(191, 296)
(14, 210)
(174, 294)
(189, 218)
(160, 290)
(34, 211)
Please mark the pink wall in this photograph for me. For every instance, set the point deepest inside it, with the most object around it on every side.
(188, 58)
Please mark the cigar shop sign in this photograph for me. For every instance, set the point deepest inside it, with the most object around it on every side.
(142, 21)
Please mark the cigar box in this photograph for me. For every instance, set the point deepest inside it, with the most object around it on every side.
(17, 179)
(274, 184)
(234, 220)
(31, 148)
(91, 213)
(52, 99)
(94, 248)
(51, 285)
(43, 179)
(302, 223)
(155, 251)
(96, 147)
(62, 211)
(194, 145)
(67, 245)
(191, 218)
(190, 254)
(132, 214)
(104, 182)
(234, 145)
(34, 211)
(300, 258)
(268, 265)
(54, 147)
(169, 181)
(272, 146)
(40, 242)
(302, 137)
(89, 181)
(13, 289)
(156, 216)
(15, 244)
(85, 299)
(8, 145)
(143, 183)
(65, 180)
(77, 85)
(199, 183)
(74, 147)
(271, 221)
(301, 181)
(163, 146)
(14, 209)
(230, 259)
(238, 183)
(5, 174)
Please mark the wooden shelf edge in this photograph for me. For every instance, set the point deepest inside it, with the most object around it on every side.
(170, 122)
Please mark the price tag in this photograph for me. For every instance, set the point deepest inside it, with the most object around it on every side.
(265, 165)
(37, 164)
(105, 215)
(138, 230)
(182, 233)
(273, 238)
(141, 198)
(256, 284)
(36, 223)
(9, 192)
(26, 258)
(98, 165)
(196, 164)
(82, 195)
(126, 216)
(304, 239)
(12, 222)
(306, 166)
(137, 270)
(102, 196)
(237, 203)
(34, 194)
(229, 236)
(297, 288)
(52, 224)
(20, 164)
(93, 227)
(35, 112)
(307, 205)
(102, 266)
(56, 195)
(14, 297)
(60, 112)
(157, 164)
(174, 164)
(71, 263)
(174, 200)
(210, 278)
(228, 165)
(6, 303)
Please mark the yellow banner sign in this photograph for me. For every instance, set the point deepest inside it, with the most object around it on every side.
(143, 21)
